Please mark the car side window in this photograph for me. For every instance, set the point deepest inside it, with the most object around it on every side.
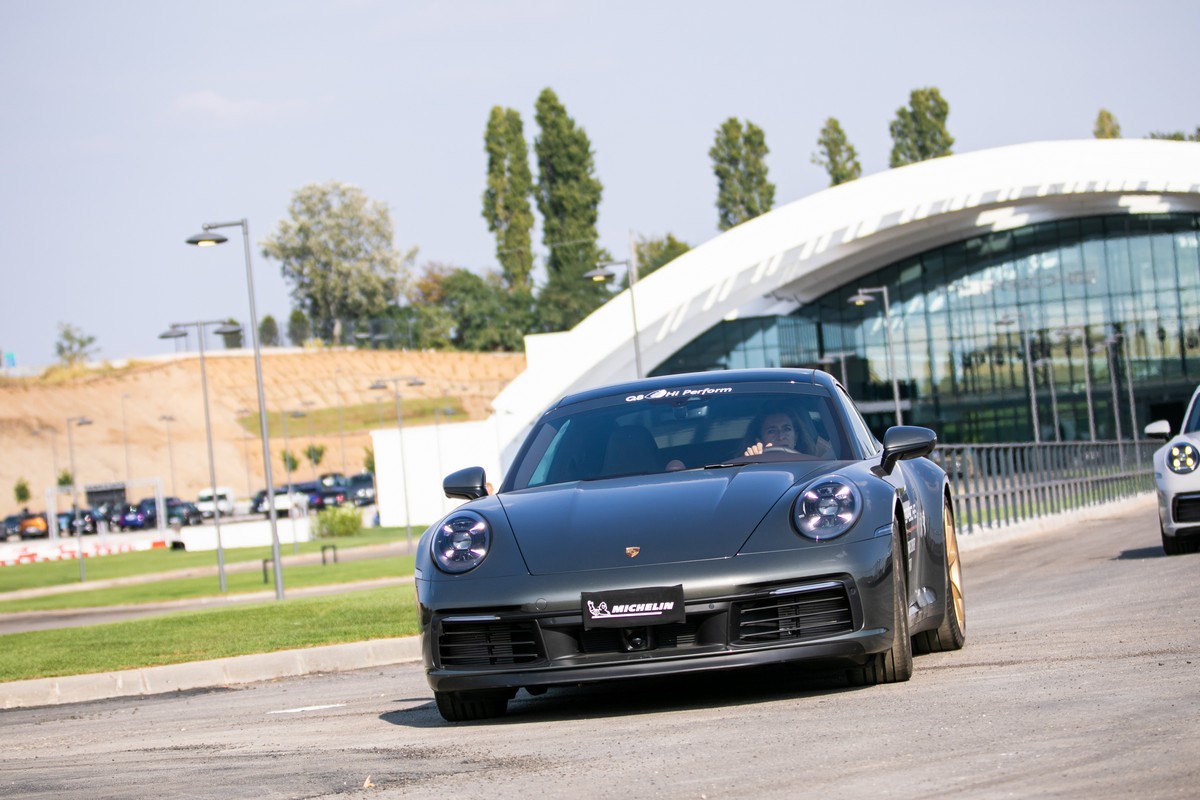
(858, 426)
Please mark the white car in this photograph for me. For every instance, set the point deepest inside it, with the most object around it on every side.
(223, 503)
(1177, 479)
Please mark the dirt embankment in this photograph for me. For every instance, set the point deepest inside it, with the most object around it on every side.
(126, 407)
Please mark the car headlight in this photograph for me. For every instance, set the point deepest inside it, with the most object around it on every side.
(827, 508)
(461, 543)
(1182, 458)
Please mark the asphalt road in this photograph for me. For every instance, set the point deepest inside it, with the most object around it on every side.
(1080, 679)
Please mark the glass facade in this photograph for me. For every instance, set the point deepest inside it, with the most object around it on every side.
(1096, 309)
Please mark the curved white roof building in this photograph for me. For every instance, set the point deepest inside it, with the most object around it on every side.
(1051, 244)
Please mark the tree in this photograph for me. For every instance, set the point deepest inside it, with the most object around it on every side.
(738, 157)
(336, 250)
(1177, 136)
(21, 491)
(298, 328)
(65, 478)
(268, 332)
(453, 308)
(73, 346)
(369, 459)
(568, 197)
(919, 131)
(233, 341)
(290, 462)
(654, 253)
(315, 453)
(1106, 126)
(506, 199)
(837, 155)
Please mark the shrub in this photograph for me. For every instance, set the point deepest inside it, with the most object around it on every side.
(337, 522)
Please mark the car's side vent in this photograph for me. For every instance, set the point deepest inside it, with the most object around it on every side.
(794, 617)
(471, 644)
(1187, 508)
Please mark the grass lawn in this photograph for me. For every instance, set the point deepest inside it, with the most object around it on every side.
(208, 586)
(195, 636)
(52, 573)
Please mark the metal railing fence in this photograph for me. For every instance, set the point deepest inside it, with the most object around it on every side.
(998, 485)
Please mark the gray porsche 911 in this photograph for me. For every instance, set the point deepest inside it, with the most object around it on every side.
(691, 522)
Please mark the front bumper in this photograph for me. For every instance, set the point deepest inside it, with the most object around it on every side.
(828, 603)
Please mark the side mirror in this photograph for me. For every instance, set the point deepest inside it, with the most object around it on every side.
(902, 442)
(1161, 429)
(466, 484)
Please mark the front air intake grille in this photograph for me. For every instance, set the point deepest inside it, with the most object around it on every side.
(794, 617)
(1187, 508)
(474, 644)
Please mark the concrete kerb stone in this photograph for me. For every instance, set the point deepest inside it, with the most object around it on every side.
(208, 674)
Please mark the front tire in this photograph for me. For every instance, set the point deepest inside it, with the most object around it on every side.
(895, 665)
(952, 633)
(469, 706)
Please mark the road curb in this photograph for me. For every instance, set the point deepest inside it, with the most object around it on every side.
(209, 674)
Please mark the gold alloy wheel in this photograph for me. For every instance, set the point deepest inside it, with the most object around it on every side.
(954, 567)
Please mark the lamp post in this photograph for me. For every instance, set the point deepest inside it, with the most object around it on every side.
(177, 331)
(382, 384)
(1128, 384)
(208, 238)
(287, 464)
(53, 449)
(337, 387)
(166, 420)
(72, 422)
(1049, 365)
(242, 412)
(125, 436)
(1033, 406)
(840, 356)
(311, 462)
(1087, 374)
(861, 299)
(602, 274)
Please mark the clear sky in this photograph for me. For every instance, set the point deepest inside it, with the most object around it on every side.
(126, 125)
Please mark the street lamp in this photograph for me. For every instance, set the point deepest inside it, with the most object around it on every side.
(1025, 334)
(1087, 374)
(166, 420)
(311, 461)
(72, 422)
(125, 436)
(602, 274)
(861, 299)
(177, 332)
(337, 387)
(1117, 335)
(287, 465)
(840, 356)
(1049, 365)
(382, 384)
(208, 238)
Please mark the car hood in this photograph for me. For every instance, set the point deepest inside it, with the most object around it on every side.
(670, 518)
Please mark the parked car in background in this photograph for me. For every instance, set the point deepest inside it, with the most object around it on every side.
(33, 526)
(68, 526)
(362, 489)
(184, 513)
(223, 502)
(12, 525)
(283, 500)
(1177, 481)
(145, 514)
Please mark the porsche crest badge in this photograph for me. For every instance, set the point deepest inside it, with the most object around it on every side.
(632, 551)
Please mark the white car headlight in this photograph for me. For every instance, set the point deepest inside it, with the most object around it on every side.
(1182, 458)
(827, 508)
(461, 543)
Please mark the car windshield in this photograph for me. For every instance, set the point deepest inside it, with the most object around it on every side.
(681, 429)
